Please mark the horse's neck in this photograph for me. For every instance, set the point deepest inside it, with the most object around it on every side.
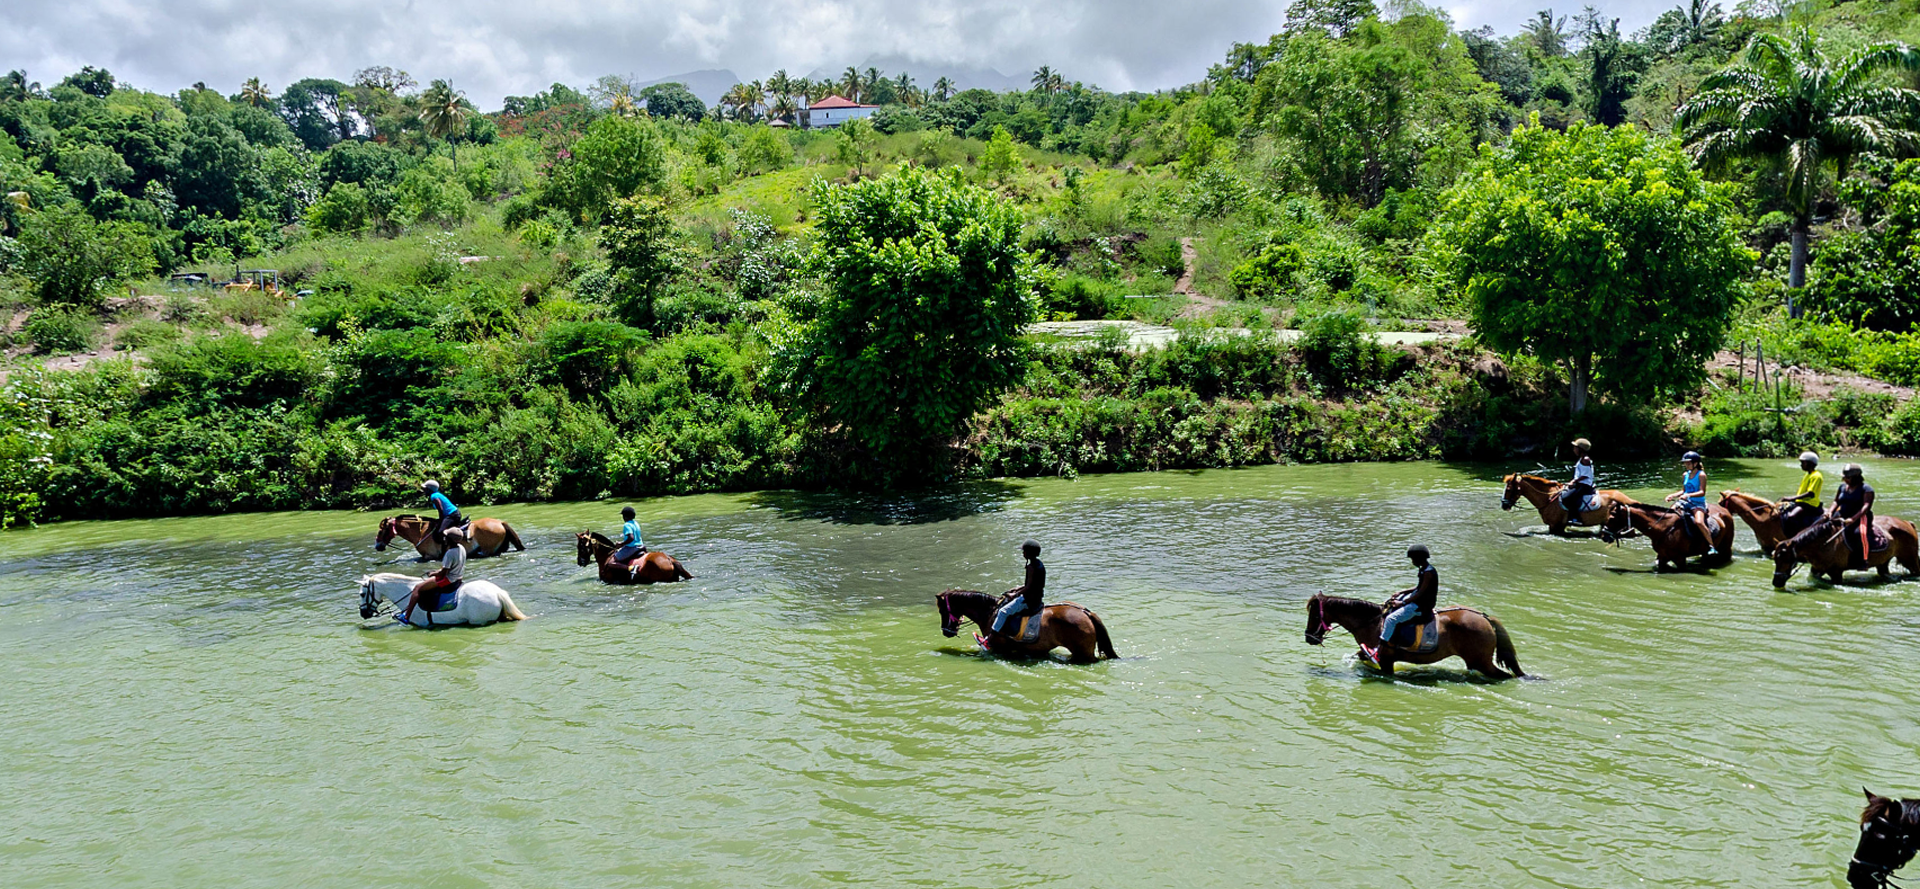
(1752, 507)
(393, 587)
(1537, 490)
(410, 531)
(1362, 619)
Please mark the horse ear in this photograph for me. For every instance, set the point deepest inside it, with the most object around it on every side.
(1871, 796)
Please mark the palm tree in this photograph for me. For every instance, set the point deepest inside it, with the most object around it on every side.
(943, 88)
(850, 84)
(1547, 34)
(1047, 80)
(622, 104)
(1788, 103)
(785, 108)
(255, 93)
(780, 84)
(872, 77)
(741, 98)
(909, 95)
(443, 111)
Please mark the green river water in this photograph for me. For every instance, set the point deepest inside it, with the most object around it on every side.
(194, 702)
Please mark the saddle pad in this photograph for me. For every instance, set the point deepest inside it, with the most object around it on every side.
(445, 600)
(1029, 629)
(1420, 638)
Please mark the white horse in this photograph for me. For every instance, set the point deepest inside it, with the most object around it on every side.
(479, 602)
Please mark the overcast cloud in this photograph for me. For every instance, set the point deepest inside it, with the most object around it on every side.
(493, 48)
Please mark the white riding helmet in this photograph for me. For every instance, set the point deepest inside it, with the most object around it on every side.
(1810, 457)
(430, 486)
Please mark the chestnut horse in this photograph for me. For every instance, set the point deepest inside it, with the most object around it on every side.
(1064, 625)
(1544, 494)
(593, 548)
(1466, 633)
(1828, 551)
(1771, 522)
(490, 537)
(1667, 529)
(1889, 837)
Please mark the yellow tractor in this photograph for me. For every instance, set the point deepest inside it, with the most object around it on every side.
(264, 280)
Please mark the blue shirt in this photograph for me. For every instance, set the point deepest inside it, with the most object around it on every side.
(632, 530)
(1695, 485)
(440, 502)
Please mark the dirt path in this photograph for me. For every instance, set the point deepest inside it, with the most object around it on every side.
(1815, 385)
(1185, 284)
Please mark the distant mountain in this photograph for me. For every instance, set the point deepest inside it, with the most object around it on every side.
(925, 73)
(709, 84)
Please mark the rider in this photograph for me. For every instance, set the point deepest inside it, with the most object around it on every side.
(1583, 485)
(1809, 493)
(1413, 604)
(450, 516)
(630, 546)
(1692, 498)
(1853, 503)
(1028, 602)
(452, 572)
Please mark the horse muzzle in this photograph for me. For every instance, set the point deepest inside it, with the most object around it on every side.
(1314, 638)
(380, 546)
(1780, 578)
(1506, 505)
(949, 631)
(366, 611)
(1861, 875)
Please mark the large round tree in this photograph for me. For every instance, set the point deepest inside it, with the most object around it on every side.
(1787, 103)
(925, 295)
(1598, 249)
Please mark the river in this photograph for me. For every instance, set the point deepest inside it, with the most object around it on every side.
(194, 702)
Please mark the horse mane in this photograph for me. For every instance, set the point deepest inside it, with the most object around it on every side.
(1345, 602)
(969, 595)
(1905, 811)
(600, 538)
(1527, 476)
(1820, 526)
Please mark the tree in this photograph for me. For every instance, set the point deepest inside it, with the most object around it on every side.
(638, 240)
(443, 111)
(943, 88)
(1787, 103)
(255, 93)
(854, 144)
(314, 108)
(617, 158)
(666, 100)
(71, 258)
(1000, 159)
(927, 293)
(1598, 249)
(1047, 80)
(850, 84)
(1545, 35)
(96, 82)
(1336, 18)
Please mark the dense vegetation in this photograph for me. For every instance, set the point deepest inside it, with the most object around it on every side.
(618, 291)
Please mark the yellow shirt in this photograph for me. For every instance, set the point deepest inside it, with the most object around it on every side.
(1810, 485)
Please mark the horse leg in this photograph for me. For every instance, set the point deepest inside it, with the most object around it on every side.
(1482, 662)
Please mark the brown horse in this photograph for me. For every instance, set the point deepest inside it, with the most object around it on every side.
(1064, 625)
(1544, 494)
(1889, 837)
(490, 537)
(593, 548)
(1667, 529)
(1465, 633)
(1771, 522)
(1828, 551)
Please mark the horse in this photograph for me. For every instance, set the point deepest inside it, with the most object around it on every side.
(1826, 550)
(1667, 529)
(593, 548)
(1467, 633)
(490, 537)
(1544, 494)
(480, 602)
(1771, 523)
(1067, 625)
(1889, 837)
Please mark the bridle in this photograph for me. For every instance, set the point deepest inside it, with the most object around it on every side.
(1511, 495)
(949, 622)
(370, 604)
(1318, 626)
(1906, 844)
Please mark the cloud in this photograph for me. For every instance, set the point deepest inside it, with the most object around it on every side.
(493, 48)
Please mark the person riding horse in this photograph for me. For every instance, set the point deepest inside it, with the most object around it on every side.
(450, 516)
(1692, 498)
(1853, 505)
(631, 546)
(1810, 483)
(1415, 604)
(1584, 483)
(443, 582)
(1031, 592)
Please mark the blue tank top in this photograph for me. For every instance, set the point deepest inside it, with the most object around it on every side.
(632, 529)
(1694, 486)
(440, 502)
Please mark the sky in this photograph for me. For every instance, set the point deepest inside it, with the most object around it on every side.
(495, 48)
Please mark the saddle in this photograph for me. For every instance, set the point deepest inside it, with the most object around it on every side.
(1574, 511)
(1028, 630)
(1877, 541)
(1418, 638)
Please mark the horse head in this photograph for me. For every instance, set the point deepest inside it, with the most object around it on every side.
(369, 601)
(1512, 494)
(1786, 556)
(1889, 837)
(1317, 618)
(949, 620)
(582, 549)
(1619, 524)
(388, 527)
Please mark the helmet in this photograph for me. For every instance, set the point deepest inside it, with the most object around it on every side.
(430, 486)
(1031, 548)
(1418, 550)
(1583, 444)
(626, 513)
(1810, 457)
(1690, 457)
(1853, 470)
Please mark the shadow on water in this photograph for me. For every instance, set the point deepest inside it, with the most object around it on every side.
(942, 505)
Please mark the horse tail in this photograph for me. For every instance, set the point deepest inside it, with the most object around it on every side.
(1503, 648)
(512, 540)
(680, 571)
(1101, 640)
(508, 610)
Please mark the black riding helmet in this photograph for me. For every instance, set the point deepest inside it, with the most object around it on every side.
(1030, 549)
(1418, 551)
(626, 513)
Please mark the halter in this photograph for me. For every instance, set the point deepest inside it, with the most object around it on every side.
(371, 605)
(1906, 846)
(1317, 630)
(949, 622)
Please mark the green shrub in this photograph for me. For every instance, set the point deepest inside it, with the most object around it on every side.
(55, 330)
(586, 356)
(1900, 433)
(1162, 254)
(1335, 348)
(386, 373)
(1073, 296)
(235, 370)
(145, 334)
(248, 306)
(1271, 272)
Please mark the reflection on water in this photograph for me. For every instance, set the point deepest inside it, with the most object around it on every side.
(194, 701)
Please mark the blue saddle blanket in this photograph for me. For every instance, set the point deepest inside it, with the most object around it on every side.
(1419, 638)
(444, 600)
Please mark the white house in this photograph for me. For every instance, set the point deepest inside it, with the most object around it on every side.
(833, 111)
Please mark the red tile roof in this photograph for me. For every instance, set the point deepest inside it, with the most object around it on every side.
(838, 102)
